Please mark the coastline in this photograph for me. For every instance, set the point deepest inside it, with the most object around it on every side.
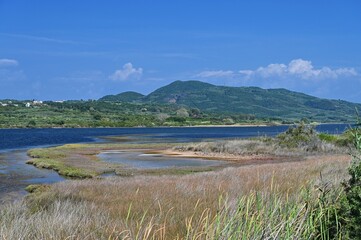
(188, 126)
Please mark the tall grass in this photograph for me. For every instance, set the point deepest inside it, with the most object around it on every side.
(256, 216)
(270, 201)
(284, 146)
(253, 216)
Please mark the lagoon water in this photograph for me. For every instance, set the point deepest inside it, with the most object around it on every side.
(25, 138)
(153, 161)
(15, 174)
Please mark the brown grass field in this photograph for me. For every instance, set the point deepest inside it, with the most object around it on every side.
(263, 192)
(166, 207)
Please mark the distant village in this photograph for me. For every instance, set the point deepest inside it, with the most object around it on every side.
(28, 104)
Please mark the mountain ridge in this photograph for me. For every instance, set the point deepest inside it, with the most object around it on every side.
(279, 102)
(128, 96)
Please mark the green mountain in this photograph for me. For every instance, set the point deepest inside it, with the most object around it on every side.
(263, 103)
(123, 97)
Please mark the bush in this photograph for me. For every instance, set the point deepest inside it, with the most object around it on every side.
(350, 205)
(327, 137)
(296, 136)
(31, 123)
(302, 137)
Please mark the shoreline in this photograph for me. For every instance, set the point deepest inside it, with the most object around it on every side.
(185, 126)
(248, 159)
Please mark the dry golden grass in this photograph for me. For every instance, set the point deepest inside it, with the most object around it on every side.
(144, 207)
(257, 146)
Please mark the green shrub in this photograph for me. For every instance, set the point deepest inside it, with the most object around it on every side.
(327, 137)
(350, 204)
(31, 123)
(301, 136)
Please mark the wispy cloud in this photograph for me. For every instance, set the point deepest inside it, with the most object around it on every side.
(4, 62)
(299, 68)
(215, 74)
(41, 38)
(127, 72)
(298, 75)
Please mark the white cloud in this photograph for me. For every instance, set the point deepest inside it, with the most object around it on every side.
(4, 62)
(272, 69)
(127, 72)
(211, 74)
(298, 68)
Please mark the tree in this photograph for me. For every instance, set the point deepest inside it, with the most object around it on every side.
(195, 112)
(31, 123)
(97, 117)
(182, 112)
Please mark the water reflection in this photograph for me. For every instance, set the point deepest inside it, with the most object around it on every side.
(15, 174)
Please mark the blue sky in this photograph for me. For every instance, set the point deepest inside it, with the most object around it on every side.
(55, 50)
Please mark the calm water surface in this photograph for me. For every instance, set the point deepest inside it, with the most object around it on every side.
(15, 174)
(25, 138)
(153, 161)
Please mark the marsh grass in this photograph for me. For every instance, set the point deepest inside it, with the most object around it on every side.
(57, 160)
(80, 160)
(300, 140)
(267, 201)
(285, 200)
(254, 216)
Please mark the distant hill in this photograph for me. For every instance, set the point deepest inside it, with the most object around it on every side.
(123, 97)
(268, 103)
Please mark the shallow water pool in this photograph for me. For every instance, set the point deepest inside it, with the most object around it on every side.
(154, 161)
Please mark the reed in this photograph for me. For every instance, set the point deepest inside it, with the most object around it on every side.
(269, 201)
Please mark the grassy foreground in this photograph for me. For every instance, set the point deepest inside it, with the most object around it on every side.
(253, 202)
(284, 200)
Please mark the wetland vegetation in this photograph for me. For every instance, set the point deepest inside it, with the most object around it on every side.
(268, 189)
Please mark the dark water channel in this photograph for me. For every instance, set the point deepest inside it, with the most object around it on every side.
(15, 174)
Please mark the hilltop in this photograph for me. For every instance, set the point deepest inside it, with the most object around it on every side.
(123, 97)
(263, 103)
(181, 103)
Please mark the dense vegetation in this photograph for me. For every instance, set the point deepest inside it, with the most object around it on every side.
(110, 114)
(123, 97)
(179, 104)
(279, 104)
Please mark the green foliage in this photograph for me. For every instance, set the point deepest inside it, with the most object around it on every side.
(269, 103)
(52, 159)
(31, 123)
(61, 168)
(350, 206)
(109, 114)
(97, 117)
(328, 137)
(347, 138)
(343, 140)
(37, 188)
(123, 97)
(299, 136)
(199, 103)
(176, 119)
